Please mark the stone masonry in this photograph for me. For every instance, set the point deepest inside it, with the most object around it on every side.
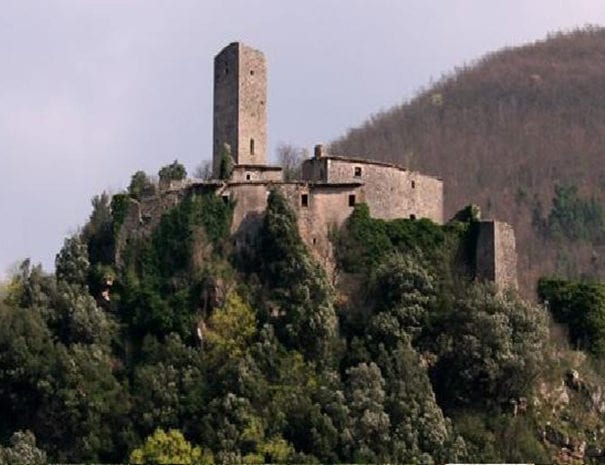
(240, 96)
(331, 184)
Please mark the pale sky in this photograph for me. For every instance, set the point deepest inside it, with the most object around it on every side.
(91, 91)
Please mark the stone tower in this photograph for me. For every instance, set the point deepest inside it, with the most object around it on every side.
(240, 100)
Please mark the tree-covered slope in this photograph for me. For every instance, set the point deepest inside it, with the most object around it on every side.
(521, 133)
(187, 350)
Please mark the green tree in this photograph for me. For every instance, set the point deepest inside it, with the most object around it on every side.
(490, 348)
(299, 294)
(226, 163)
(140, 184)
(230, 329)
(169, 448)
(581, 306)
(173, 172)
(22, 450)
(71, 263)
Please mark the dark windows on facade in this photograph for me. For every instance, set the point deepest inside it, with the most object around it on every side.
(352, 200)
(251, 146)
(226, 198)
(248, 176)
(412, 217)
(413, 184)
(304, 200)
(358, 171)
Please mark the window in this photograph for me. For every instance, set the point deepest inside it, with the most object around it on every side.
(412, 217)
(304, 200)
(351, 200)
(226, 198)
(358, 171)
(248, 176)
(413, 184)
(251, 72)
(251, 146)
(314, 240)
(226, 69)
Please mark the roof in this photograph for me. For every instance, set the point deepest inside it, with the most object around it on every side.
(366, 161)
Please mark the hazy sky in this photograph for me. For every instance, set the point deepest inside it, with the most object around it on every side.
(91, 91)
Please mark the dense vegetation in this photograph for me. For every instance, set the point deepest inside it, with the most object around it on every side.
(521, 133)
(189, 350)
(580, 305)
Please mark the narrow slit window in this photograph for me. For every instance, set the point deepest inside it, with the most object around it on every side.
(413, 184)
(358, 171)
(251, 146)
(412, 217)
(225, 199)
(351, 200)
(251, 72)
(304, 200)
(248, 177)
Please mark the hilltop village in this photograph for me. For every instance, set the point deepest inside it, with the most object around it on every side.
(330, 187)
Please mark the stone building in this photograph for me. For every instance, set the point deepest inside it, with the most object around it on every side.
(330, 187)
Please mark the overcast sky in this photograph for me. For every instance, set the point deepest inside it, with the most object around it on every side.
(91, 91)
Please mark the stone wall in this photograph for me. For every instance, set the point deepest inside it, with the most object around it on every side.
(246, 173)
(240, 100)
(496, 254)
(252, 143)
(226, 98)
(324, 208)
(390, 191)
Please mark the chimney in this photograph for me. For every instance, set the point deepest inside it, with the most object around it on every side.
(319, 151)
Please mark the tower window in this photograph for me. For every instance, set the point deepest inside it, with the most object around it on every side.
(247, 176)
(251, 146)
(225, 199)
(226, 70)
(358, 171)
(304, 200)
(251, 72)
(351, 200)
(413, 184)
(412, 217)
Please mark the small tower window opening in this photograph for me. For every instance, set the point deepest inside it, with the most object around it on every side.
(412, 217)
(226, 70)
(226, 199)
(248, 176)
(251, 72)
(358, 171)
(352, 200)
(314, 240)
(251, 146)
(413, 184)
(304, 200)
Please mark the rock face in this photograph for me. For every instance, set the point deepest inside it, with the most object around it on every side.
(573, 429)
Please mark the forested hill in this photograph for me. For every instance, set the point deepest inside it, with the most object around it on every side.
(158, 341)
(521, 133)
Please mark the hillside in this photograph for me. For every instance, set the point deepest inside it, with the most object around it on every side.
(521, 133)
(160, 341)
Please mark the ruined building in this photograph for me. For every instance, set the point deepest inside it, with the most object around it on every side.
(331, 185)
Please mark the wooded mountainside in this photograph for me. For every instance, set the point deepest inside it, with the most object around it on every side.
(521, 133)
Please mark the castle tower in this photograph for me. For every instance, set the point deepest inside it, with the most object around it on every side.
(240, 98)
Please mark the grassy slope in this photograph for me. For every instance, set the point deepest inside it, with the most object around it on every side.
(502, 133)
